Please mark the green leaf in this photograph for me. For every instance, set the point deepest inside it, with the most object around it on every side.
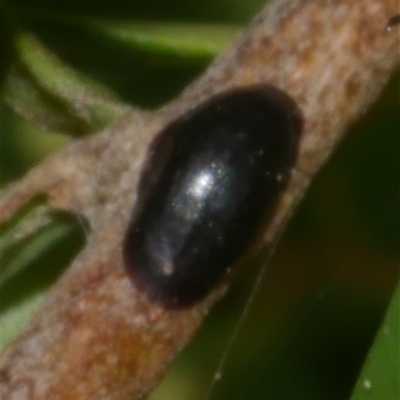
(157, 42)
(53, 96)
(35, 247)
(380, 377)
(166, 42)
(12, 319)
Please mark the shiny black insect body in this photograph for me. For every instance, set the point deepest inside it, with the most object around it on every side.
(213, 178)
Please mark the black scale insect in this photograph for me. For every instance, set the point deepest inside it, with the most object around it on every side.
(212, 180)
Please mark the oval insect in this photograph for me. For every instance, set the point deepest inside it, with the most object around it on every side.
(212, 179)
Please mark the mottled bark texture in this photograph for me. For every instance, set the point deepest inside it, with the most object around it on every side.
(333, 57)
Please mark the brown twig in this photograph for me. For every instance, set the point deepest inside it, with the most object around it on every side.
(332, 57)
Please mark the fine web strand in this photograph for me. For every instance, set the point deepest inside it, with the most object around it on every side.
(218, 374)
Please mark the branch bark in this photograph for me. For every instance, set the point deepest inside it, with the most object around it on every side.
(332, 57)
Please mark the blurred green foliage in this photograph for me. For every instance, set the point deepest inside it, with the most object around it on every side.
(325, 292)
(380, 378)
